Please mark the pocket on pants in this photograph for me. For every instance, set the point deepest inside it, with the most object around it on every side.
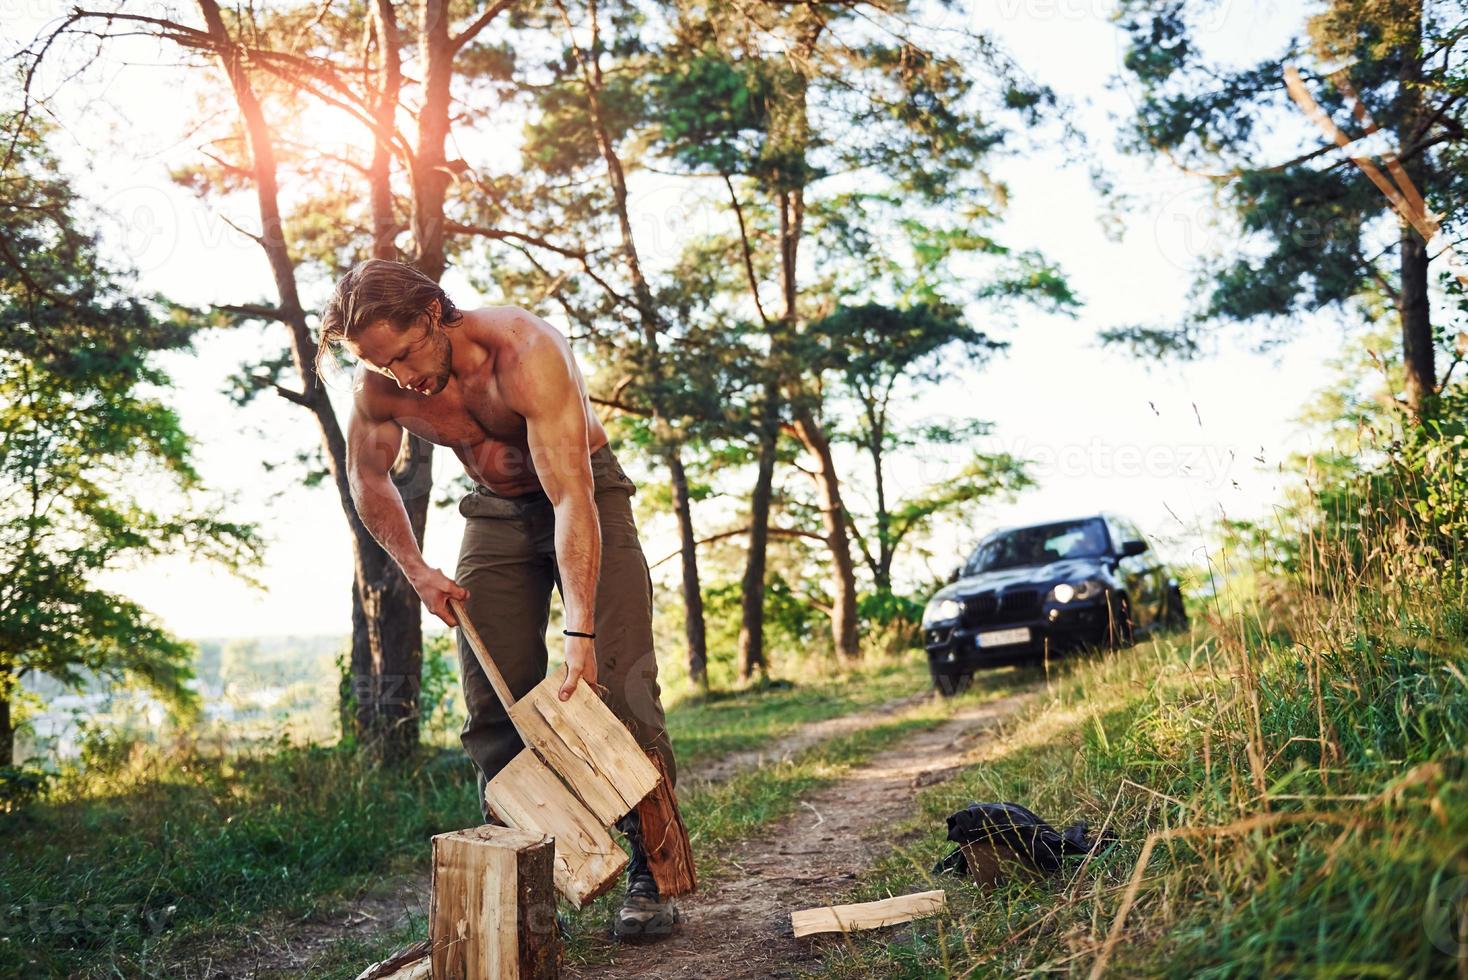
(607, 472)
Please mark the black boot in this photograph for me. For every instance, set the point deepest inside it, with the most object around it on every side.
(644, 915)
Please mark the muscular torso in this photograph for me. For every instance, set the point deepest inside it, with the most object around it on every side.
(469, 416)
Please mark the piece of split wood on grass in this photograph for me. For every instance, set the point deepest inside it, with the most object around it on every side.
(867, 915)
(527, 795)
(583, 741)
(665, 838)
(492, 910)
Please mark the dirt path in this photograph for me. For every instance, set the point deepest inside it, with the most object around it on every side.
(727, 766)
(391, 902)
(739, 927)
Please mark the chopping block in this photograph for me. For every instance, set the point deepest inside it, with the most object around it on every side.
(492, 911)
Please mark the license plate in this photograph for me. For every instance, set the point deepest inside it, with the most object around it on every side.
(1001, 638)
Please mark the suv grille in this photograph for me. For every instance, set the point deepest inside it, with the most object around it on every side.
(988, 607)
(979, 608)
(1021, 602)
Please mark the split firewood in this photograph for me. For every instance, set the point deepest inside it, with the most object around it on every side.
(665, 838)
(587, 745)
(409, 963)
(580, 738)
(582, 742)
(526, 794)
(867, 915)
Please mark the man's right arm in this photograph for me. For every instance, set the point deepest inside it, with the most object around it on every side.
(372, 448)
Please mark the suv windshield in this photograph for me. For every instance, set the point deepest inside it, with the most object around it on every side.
(1040, 545)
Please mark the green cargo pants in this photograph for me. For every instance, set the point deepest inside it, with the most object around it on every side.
(507, 562)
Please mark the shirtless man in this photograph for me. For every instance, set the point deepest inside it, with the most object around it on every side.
(501, 388)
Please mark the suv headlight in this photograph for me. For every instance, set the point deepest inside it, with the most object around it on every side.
(941, 610)
(1069, 591)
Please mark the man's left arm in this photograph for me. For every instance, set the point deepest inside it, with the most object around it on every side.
(542, 387)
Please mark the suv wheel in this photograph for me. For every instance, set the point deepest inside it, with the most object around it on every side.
(1119, 628)
(948, 684)
(1177, 611)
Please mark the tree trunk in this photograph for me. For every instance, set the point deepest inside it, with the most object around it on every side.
(752, 626)
(387, 646)
(692, 594)
(882, 574)
(1412, 301)
(387, 618)
(833, 521)
(651, 323)
(430, 169)
(384, 128)
(7, 725)
(387, 627)
(1412, 304)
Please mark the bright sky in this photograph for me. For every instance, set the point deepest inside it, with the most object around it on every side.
(1173, 446)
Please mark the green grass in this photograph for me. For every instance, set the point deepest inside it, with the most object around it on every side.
(184, 856)
(130, 878)
(1309, 802)
(1298, 785)
(707, 728)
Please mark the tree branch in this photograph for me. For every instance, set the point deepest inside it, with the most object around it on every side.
(292, 396)
(748, 255)
(619, 406)
(504, 234)
(787, 532)
(468, 34)
(253, 311)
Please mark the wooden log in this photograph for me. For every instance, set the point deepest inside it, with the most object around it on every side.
(527, 795)
(492, 910)
(417, 969)
(410, 963)
(665, 838)
(867, 915)
(583, 741)
(580, 738)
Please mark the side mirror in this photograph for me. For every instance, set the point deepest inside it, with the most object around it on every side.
(956, 574)
(1132, 547)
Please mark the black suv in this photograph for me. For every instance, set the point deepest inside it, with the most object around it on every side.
(1042, 589)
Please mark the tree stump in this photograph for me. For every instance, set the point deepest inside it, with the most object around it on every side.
(493, 908)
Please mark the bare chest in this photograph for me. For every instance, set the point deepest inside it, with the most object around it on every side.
(454, 416)
(472, 420)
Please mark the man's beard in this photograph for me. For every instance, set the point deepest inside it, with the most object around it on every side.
(440, 380)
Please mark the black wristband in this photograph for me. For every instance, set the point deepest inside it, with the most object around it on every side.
(575, 633)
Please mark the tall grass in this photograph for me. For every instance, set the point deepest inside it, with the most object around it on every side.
(170, 864)
(1289, 782)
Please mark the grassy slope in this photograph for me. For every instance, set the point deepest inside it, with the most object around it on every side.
(1315, 786)
(137, 872)
(1292, 852)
